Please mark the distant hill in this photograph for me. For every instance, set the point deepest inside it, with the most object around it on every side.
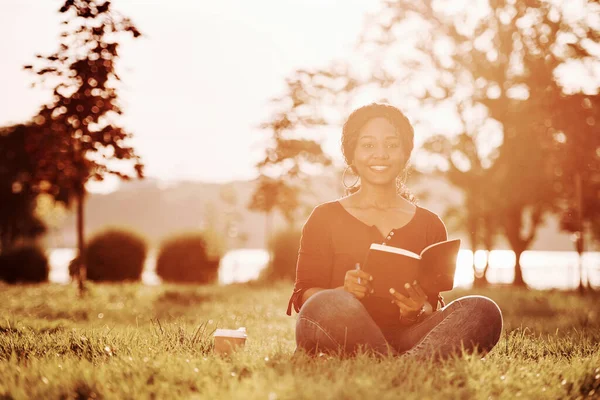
(157, 210)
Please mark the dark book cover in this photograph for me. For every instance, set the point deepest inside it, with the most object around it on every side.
(392, 267)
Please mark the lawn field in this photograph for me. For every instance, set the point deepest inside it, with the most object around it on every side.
(131, 341)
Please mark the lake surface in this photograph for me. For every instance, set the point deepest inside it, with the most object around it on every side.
(541, 269)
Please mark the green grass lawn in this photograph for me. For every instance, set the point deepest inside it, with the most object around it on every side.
(135, 341)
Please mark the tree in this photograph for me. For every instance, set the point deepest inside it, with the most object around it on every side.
(231, 216)
(578, 176)
(283, 171)
(495, 62)
(18, 219)
(274, 194)
(477, 215)
(79, 138)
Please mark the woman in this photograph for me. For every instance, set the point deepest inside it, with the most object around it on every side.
(331, 293)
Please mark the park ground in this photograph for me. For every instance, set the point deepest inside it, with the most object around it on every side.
(130, 341)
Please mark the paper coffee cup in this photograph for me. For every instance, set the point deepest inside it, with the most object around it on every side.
(228, 340)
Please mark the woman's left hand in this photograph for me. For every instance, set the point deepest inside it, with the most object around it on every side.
(413, 305)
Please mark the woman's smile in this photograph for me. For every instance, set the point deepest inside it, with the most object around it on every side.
(379, 168)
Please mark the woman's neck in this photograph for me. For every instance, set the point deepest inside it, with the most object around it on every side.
(381, 197)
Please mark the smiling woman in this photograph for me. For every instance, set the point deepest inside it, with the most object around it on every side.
(332, 293)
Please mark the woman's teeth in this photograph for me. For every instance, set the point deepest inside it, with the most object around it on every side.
(379, 167)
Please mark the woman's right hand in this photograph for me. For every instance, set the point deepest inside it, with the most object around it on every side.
(357, 283)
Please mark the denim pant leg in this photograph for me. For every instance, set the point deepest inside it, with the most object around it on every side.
(469, 323)
(333, 321)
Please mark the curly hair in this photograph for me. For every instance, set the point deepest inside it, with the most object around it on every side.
(359, 117)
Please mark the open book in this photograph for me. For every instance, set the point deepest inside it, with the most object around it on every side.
(392, 267)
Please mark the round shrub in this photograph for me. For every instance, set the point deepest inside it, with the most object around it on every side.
(187, 258)
(284, 248)
(115, 255)
(25, 264)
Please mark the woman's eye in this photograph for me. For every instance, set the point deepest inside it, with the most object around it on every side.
(393, 145)
(367, 145)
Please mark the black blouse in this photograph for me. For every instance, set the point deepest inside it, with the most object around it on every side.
(333, 241)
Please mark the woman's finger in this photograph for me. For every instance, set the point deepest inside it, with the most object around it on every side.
(358, 291)
(401, 298)
(419, 289)
(360, 274)
(357, 280)
(370, 289)
(408, 299)
(404, 309)
(355, 287)
(415, 297)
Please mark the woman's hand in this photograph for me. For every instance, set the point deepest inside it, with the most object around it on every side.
(414, 305)
(356, 282)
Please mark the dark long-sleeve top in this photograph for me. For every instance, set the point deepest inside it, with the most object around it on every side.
(333, 241)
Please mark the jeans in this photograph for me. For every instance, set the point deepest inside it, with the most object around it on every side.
(334, 321)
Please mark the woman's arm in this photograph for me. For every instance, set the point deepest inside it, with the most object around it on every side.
(315, 259)
(352, 284)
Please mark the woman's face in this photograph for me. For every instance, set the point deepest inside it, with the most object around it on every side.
(378, 157)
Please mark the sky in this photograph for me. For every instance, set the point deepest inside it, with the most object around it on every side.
(197, 84)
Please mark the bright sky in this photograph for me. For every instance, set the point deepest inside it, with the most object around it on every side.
(197, 84)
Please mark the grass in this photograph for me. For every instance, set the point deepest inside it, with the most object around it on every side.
(140, 342)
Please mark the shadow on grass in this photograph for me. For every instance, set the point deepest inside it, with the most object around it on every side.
(183, 298)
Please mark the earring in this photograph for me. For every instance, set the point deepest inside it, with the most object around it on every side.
(348, 187)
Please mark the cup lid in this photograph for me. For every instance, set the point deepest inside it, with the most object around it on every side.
(234, 333)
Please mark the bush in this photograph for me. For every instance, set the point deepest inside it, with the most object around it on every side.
(115, 255)
(26, 264)
(284, 248)
(187, 258)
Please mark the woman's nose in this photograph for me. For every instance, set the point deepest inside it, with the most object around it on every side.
(381, 153)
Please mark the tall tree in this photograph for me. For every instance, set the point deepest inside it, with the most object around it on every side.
(476, 216)
(79, 137)
(578, 174)
(495, 61)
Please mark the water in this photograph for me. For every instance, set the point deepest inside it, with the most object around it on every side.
(541, 269)
(240, 265)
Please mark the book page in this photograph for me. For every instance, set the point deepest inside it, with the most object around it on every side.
(396, 250)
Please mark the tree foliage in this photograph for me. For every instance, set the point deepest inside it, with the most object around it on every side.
(116, 255)
(283, 171)
(496, 64)
(24, 264)
(79, 138)
(18, 219)
(188, 258)
(79, 132)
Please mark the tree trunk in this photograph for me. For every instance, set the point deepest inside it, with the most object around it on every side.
(518, 281)
(481, 281)
(268, 216)
(579, 247)
(512, 223)
(488, 243)
(579, 243)
(474, 239)
(81, 275)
